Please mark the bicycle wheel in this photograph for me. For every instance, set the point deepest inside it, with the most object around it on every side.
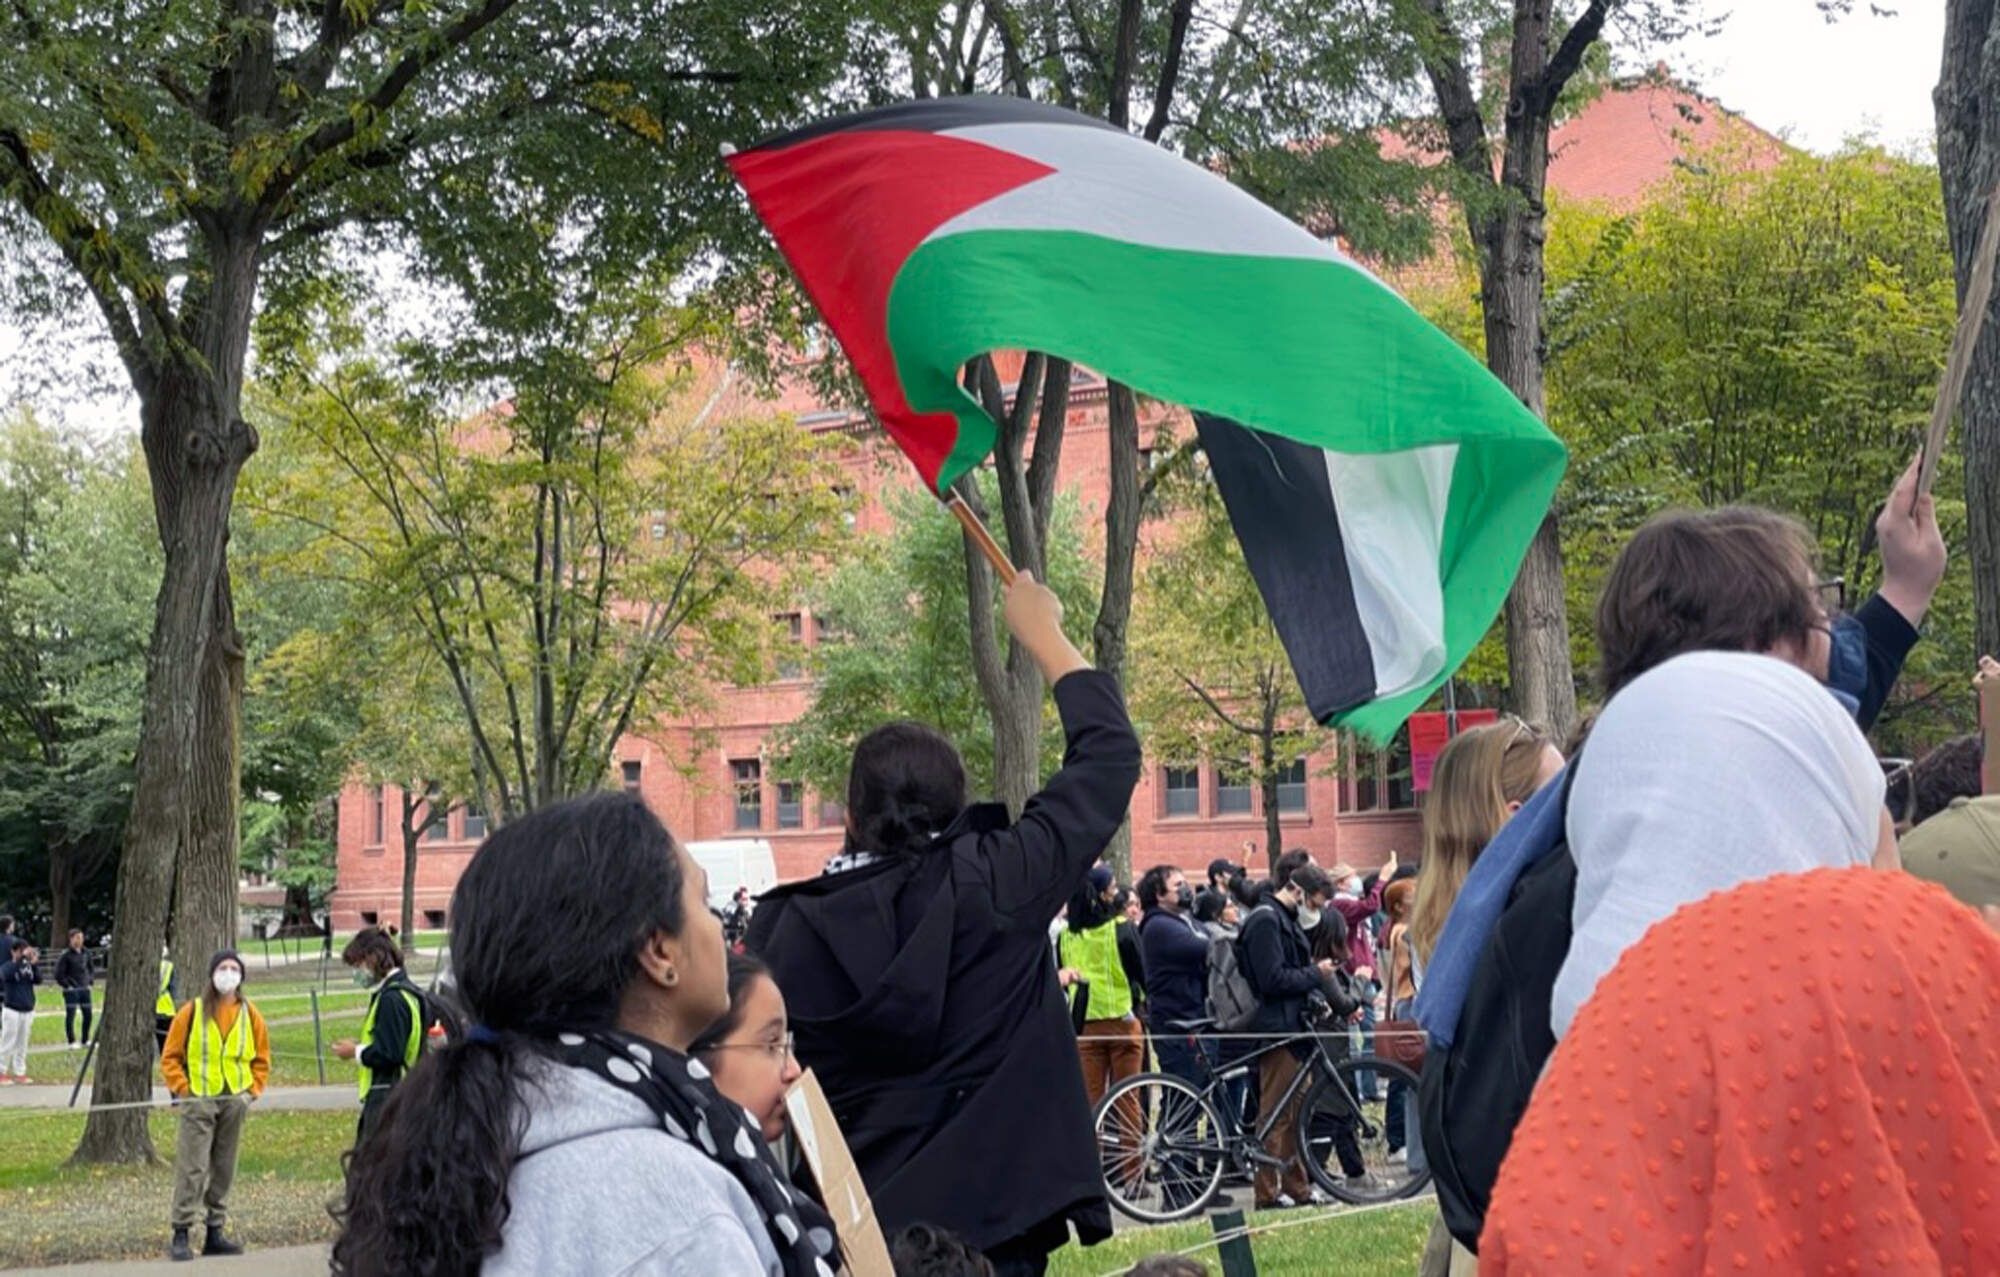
(1345, 1142)
(1161, 1147)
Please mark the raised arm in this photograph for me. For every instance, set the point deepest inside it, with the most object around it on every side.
(1065, 827)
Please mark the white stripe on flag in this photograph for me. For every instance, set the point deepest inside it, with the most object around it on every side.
(1391, 507)
(1125, 188)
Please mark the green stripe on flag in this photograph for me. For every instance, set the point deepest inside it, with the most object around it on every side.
(1309, 348)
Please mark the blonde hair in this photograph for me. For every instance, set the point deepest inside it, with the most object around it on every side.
(1481, 771)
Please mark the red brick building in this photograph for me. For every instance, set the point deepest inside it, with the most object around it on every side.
(710, 779)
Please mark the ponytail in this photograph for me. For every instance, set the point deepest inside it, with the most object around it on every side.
(427, 1190)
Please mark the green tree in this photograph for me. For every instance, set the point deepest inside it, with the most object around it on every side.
(1210, 678)
(73, 657)
(583, 559)
(1765, 336)
(896, 642)
(161, 164)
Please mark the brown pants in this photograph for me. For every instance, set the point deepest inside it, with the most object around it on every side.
(1274, 1073)
(205, 1159)
(1111, 1051)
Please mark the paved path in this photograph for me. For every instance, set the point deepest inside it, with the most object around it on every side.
(292, 1261)
(277, 1097)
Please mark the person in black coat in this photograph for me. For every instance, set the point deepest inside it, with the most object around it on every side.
(919, 981)
(73, 978)
(1276, 958)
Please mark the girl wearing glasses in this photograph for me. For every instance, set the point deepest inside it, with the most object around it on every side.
(749, 1050)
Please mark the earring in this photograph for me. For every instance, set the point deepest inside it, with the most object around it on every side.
(672, 977)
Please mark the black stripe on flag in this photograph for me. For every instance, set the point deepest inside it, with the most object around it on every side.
(937, 115)
(1282, 509)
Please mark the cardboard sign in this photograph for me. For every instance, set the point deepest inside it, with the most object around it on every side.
(1430, 733)
(825, 1151)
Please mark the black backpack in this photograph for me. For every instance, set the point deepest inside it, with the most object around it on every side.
(1474, 1092)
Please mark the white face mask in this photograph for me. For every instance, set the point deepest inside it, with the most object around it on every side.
(1308, 917)
(227, 980)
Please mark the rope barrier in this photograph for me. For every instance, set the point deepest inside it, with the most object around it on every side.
(1216, 1241)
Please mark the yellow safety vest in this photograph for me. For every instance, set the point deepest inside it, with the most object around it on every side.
(218, 1065)
(411, 1046)
(164, 1004)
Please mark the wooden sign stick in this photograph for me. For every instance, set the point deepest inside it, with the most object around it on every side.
(981, 538)
(1964, 338)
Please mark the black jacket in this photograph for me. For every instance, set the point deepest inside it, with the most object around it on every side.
(1276, 959)
(923, 995)
(1133, 961)
(1176, 952)
(73, 969)
(17, 986)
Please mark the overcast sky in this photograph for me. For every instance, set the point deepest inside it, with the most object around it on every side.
(1778, 63)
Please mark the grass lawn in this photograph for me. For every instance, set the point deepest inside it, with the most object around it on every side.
(1380, 1243)
(287, 1172)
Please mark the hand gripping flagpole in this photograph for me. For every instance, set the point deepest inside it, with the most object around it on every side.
(981, 538)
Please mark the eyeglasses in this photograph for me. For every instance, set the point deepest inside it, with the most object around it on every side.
(1894, 770)
(1832, 595)
(776, 1052)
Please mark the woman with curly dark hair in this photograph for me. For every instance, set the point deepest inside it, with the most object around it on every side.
(570, 1130)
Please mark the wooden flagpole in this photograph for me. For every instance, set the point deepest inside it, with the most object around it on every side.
(981, 538)
(1971, 319)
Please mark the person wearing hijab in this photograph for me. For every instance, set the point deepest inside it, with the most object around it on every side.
(1793, 1076)
(216, 1061)
(569, 1130)
(1712, 769)
(917, 974)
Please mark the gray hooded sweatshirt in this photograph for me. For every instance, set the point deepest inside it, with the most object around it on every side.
(601, 1189)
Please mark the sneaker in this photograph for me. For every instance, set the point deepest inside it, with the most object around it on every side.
(6, 1081)
(1400, 1157)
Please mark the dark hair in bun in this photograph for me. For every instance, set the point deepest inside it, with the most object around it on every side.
(904, 787)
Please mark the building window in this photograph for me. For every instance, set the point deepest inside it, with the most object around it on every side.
(381, 821)
(791, 805)
(630, 771)
(791, 644)
(1376, 779)
(747, 774)
(1292, 787)
(659, 522)
(1232, 791)
(473, 827)
(831, 814)
(438, 830)
(1183, 789)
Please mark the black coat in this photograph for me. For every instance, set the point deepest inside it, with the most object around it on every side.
(924, 997)
(73, 969)
(1276, 959)
(1176, 953)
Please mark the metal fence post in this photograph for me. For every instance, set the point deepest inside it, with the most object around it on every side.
(319, 1052)
(1237, 1261)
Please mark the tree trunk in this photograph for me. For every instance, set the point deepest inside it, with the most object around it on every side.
(1121, 546)
(412, 833)
(1967, 101)
(62, 883)
(207, 870)
(195, 443)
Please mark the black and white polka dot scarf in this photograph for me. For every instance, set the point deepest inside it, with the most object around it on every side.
(679, 1090)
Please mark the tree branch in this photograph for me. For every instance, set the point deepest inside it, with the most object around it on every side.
(1569, 55)
(328, 137)
(1215, 707)
(1170, 68)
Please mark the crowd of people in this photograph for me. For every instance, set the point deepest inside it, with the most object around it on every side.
(1687, 1005)
(1706, 987)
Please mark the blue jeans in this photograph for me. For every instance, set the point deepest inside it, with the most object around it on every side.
(1365, 1080)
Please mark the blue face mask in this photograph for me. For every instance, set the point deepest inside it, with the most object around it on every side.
(1847, 663)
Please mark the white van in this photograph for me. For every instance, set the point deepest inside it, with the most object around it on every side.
(733, 863)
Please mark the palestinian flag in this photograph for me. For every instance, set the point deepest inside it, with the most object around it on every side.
(1384, 485)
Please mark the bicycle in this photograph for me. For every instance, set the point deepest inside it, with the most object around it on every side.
(1164, 1146)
